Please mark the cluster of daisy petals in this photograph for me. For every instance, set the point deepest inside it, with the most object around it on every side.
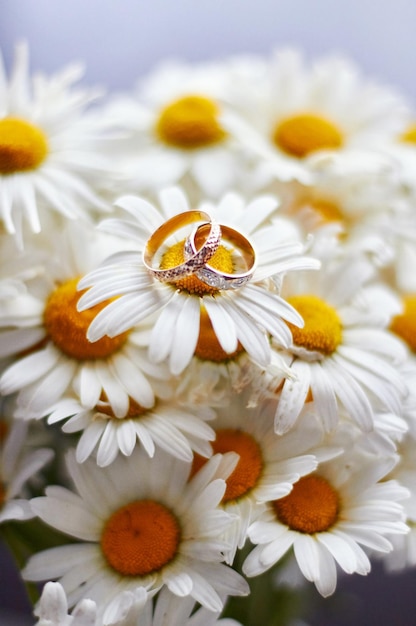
(194, 427)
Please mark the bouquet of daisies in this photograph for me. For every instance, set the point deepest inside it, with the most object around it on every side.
(208, 338)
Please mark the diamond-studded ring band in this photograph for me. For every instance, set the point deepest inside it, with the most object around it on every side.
(197, 258)
(214, 277)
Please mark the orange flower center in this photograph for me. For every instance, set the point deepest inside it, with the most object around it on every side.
(311, 507)
(404, 324)
(135, 409)
(222, 260)
(23, 146)
(249, 467)
(322, 331)
(140, 538)
(300, 135)
(190, 122)
(208, 347)
(67, 327)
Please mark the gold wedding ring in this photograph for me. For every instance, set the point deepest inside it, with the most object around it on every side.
(216, 278)
(196, 259)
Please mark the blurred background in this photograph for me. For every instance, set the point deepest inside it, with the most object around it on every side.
(120, 40)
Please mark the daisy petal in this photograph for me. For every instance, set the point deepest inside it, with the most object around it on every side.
(222, 324)
(185, 335)
(292, 397)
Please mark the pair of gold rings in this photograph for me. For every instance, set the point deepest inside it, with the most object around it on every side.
(200, 246)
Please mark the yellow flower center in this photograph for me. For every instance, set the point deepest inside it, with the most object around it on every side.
(311, 507)
(404, 324)
(410, 135)
(222, 260)
(322, 331)
(140, 538)
(300, 135)
(23, 146)
(327, 211)
(208, 347)
(190, 122)
(249, 467)
(67, 327)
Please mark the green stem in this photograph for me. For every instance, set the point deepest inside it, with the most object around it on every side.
(24, 539)
(268, 604)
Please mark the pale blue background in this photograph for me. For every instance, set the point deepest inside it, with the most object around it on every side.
(119, 40)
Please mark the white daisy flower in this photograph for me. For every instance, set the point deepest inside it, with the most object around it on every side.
(409, 404)
(268, 465)
(140, 524)
(343, 356)
(52, 609)
(12, 275)
(373, 210)
(326, 519)
(215, 374)
(304, 112)
(175, 132)
(219, 376)
(17, 269)
(18, 464)
(402, 149)
(400, 236)
(389, 430)
(170, 610)
(52, 354)
(51, 151)
(404, 554)
(179, 430)
(166, 610)
(382, 441)
(360, 202)
(244, 315)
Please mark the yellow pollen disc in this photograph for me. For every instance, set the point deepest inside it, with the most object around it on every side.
(222, 260)
(248, 469)
(302, 134)
(208, 347)
(140, 538)
(404, 324)
(311, 507)
(23, 146)
(322, 331)
(328, 211)
(190, 122)
(410, 135)
(67, 327)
